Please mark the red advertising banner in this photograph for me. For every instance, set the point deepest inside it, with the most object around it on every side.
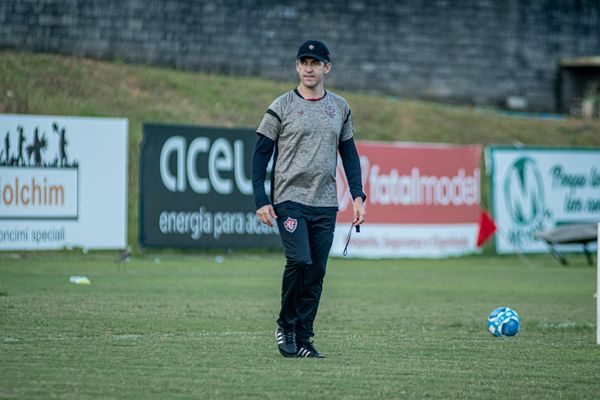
(423, 200)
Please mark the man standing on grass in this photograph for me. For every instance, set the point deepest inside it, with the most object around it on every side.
(305, 128)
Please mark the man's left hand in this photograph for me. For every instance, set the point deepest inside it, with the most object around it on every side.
(359, 212)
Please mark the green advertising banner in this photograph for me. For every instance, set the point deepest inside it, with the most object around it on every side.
(534, 189)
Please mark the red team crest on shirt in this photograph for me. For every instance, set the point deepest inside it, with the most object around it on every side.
(290, 224)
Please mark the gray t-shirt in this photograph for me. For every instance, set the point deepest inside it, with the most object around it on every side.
(307, 133)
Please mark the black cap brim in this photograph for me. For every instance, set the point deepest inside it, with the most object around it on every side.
(316, 57)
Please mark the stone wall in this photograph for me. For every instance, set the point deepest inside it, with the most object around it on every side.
(464, 51)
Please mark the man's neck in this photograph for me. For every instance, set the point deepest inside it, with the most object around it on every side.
(311, 93)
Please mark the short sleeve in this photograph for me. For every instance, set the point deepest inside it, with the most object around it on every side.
(347, 127)
(270, 126)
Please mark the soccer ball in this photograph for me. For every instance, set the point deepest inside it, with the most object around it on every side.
(503, 321)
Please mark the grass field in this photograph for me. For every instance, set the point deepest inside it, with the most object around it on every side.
(181, 325)
(187, 326)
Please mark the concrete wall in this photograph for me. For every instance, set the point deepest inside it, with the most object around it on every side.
(464, 51)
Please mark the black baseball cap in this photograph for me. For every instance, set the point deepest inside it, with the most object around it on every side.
(314, 49)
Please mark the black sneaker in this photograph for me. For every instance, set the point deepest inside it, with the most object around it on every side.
(308, 350)
(286, 341)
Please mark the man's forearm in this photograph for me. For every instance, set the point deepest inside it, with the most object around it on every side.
(351, 163)
(260, 159)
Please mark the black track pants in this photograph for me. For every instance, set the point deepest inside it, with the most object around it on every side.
(307, 235)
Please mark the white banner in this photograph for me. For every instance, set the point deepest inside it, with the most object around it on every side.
(63, 182)
(539, 188)
(406, 241)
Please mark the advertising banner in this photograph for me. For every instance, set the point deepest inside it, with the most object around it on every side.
(534, 189)
(63, 182)
(196, 188)
(422, 201)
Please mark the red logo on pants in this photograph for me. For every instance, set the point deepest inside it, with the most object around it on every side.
(290, 224)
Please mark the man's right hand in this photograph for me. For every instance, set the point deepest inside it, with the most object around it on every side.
(266, 214)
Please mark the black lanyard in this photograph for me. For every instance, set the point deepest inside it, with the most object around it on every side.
(345, 252)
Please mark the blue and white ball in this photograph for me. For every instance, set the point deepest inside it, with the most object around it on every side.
(503, 321)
